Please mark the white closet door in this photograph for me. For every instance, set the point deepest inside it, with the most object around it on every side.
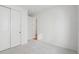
(4, 28)
(15, 28)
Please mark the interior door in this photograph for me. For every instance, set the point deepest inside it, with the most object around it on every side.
(4, 28)
(15, 28)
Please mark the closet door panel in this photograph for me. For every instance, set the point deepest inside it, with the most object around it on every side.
(4, 28)
(15, 28)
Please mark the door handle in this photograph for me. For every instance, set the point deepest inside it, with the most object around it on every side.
(19, 32)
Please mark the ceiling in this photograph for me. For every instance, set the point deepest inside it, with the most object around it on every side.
(36, 9)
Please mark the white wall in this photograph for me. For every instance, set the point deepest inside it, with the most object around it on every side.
(24, 27)
(4, 28)
(58, 26)
(78, 30)
(16, 7)
(30, 27)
